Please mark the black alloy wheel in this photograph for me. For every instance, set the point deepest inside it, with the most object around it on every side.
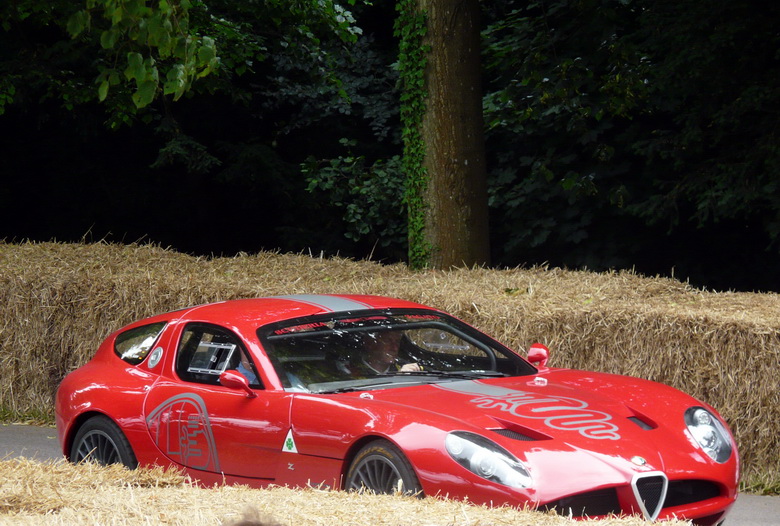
(100, 440)
(380, 467)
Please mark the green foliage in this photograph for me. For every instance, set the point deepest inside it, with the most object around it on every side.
(611, 143)
(357, 180)
(370, 195)
(561, 89)
(28, 61)
(156, 42)
(714, 99)
(363, 95)
(411, 28)
(7, 92)
(183, 149)
(568, 82)
(33, 417)
(310, 35)
(145, 50)
(598, 121)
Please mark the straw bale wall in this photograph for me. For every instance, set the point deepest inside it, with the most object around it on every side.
(60, 300)
(62, 494)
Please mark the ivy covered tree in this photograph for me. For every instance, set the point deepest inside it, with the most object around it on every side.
(443, 133)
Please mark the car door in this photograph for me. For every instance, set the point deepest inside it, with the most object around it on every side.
(200, 424)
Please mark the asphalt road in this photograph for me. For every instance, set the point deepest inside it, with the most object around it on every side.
(40, 443)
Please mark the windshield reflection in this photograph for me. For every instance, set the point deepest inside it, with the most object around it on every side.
(383, 350)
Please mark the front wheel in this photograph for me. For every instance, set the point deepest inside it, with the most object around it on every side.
(381, 467)
(100, 440)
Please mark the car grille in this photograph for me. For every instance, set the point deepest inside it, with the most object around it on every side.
(591, 504)
(650, 492)
(648, 489)
(688, 491)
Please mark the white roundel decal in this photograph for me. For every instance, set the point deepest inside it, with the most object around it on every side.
(154, 358)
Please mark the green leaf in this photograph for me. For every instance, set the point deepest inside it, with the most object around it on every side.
(116, 16)
(164, 45)
(207, 51)
(135, 66)
(155, 31)
(103, 90)
(175, 81)
(145, 93)
(77, 23)
(108, 38)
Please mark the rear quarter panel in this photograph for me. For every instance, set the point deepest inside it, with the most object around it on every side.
(105, 385)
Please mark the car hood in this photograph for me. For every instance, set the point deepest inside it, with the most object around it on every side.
(601, 420)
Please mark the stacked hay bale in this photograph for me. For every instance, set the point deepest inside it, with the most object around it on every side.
(62, 494)
(61, 300)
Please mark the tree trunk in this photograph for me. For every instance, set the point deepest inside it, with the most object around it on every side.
(456, 222)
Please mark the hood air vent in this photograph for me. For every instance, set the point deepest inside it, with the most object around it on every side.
(514, 435)
(641, 423)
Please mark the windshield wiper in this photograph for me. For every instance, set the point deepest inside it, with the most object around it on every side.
(448, 374)
(344, 390)
(428, 373)
(370, 387)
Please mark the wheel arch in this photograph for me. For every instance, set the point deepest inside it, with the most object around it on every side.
(357, 445)
(76, 425)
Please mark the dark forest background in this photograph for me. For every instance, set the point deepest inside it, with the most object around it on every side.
(620, 134)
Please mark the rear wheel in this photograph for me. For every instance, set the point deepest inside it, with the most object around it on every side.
(381, 467)
(100, 440)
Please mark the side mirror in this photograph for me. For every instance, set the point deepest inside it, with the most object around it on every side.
(234, 380)
(538, 355)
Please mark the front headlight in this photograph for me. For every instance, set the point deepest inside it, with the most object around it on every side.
(709, 433)
(487, 459)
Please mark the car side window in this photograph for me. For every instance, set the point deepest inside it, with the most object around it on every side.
(133, 345)
(443, 343)
(206, 351)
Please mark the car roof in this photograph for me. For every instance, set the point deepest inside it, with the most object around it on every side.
(261, 311)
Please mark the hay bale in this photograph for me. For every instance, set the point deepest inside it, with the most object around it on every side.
(60, 300)
(59, 493)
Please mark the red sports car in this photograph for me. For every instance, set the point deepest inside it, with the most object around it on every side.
(356, 392)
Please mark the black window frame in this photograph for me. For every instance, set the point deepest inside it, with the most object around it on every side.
(183, 371)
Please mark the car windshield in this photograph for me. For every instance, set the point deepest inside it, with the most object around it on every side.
(382, 350)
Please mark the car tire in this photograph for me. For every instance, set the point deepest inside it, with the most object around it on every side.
(381, 467)
(100, 440)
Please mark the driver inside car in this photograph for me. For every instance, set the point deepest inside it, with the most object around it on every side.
(245, 368)
(381, 353)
